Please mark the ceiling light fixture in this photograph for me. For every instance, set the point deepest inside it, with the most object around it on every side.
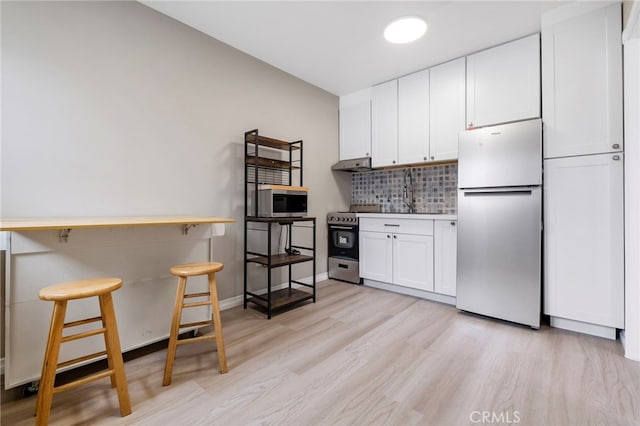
(405, 30)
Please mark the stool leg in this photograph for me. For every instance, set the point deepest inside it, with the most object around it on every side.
(49, 366)
(217, 323)
(175, 329)
(114, 353)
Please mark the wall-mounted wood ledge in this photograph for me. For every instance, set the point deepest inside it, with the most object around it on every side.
(41, 224)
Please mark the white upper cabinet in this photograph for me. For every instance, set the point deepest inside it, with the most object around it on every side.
(503, 83)
(446, 109)
(582, 80)
(355, 125)
(413, 118)
(384, 124)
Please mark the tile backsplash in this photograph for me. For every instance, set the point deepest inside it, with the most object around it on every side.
(435, 189)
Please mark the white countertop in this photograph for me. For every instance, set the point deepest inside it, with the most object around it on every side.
(423, 216)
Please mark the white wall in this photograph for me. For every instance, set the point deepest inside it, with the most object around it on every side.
(111, 108)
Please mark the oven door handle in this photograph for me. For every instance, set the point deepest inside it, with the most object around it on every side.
(349, 228)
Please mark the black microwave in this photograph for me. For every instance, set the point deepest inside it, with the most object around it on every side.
(282, 201)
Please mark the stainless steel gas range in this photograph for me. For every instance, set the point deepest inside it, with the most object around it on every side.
(343, 247)
(343, 243)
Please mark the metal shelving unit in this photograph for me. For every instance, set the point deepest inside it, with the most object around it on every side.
(264, 164)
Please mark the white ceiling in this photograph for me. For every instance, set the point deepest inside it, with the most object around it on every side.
(338, 45)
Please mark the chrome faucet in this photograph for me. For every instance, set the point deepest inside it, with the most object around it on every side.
(407, 193)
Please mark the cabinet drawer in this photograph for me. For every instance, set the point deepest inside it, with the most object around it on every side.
(397, 226)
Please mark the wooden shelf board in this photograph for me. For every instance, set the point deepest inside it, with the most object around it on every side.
(283, 298)
(282, 220)
(270, 142)
(281, 259)
(271, 163)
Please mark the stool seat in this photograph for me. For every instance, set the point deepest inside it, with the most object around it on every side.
(80, 289)
(191, 269)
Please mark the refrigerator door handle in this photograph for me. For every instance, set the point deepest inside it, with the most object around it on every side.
(508, 191)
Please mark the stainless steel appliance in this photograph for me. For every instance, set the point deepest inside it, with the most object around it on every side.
(282, 201)
(500, 221)
(353, 165)
(343, 247)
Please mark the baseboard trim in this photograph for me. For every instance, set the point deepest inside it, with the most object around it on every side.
(583, 327)
(436, 297)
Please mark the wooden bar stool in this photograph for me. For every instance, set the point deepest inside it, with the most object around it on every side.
(190, 270)
(60, 294)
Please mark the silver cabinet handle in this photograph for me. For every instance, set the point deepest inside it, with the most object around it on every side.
(616, 146)
(391, 224)
(469, 124)
(616, 157)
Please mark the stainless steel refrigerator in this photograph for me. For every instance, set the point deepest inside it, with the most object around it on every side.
(500, 221)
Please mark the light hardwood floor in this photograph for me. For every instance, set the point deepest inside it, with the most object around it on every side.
(362, 356)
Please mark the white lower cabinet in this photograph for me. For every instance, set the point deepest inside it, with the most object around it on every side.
(445, 243)
(414, 253)
(413, 261)
(583, 235)
(376, 251)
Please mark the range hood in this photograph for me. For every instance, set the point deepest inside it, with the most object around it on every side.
(354, 165)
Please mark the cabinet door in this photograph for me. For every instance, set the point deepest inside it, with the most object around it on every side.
(413, 118)
(447, 109)
(375, 256)
(413, 261)
(584, 264)
(582, 82)
(503, 83)
(355, 125)
(445, 252)
(384, 124)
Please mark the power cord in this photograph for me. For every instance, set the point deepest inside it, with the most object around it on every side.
(290, 251)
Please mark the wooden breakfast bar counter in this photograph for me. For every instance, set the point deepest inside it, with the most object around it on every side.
(139, 250)
(41, 224)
